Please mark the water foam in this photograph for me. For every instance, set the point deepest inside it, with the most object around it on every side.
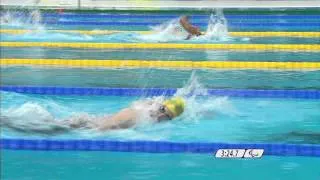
(27, 19)
(200, 105)
(163, 33)
(42, 35)
(29, 117)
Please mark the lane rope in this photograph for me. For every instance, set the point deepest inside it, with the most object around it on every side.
(155, 147)
(81, 91)
(243, 47)
(163, 64)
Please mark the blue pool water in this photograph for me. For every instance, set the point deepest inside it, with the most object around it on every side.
(148, 78)
(53, 165)
(206, 119)
(136, 37)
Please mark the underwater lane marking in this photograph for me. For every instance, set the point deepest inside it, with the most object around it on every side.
(242, 47)
(89, 63)
(105, 32)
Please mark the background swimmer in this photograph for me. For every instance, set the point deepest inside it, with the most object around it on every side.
(189, 28)
(140, 111)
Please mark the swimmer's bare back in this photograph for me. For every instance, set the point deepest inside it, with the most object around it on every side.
(124, 119)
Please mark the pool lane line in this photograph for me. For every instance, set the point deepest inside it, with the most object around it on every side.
(89, 63)
(140, 146)
(146, 92)
(105, 32)
(241, 47)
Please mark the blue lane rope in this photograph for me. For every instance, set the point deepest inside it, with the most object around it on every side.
(246, 93)
(154, 147)
(242, 24)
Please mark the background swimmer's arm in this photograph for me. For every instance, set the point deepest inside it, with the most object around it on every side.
(185, 24)
(188, 27)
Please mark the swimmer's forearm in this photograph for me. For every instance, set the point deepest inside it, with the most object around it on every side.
(188, 27)
(185, 24)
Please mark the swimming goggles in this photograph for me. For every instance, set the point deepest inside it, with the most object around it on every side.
(163, 110)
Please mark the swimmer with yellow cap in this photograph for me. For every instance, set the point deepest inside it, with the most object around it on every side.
(167, 110)
(171, 109)
(126, 118)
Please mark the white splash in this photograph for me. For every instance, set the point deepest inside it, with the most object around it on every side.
(29, 18)
(200, 104)
(29, 112)
(164, 32)
(217, 30)
(217, 27)
(27, 117)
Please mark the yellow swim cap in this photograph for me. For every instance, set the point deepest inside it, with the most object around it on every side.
(175, 105)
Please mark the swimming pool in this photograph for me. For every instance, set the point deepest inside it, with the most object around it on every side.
(246, 85)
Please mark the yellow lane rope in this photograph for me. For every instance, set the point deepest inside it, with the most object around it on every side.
(241, 34)
(243, 47)
(86, 63)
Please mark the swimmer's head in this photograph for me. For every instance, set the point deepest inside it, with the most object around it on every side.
(170, 109)
(175, 106)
